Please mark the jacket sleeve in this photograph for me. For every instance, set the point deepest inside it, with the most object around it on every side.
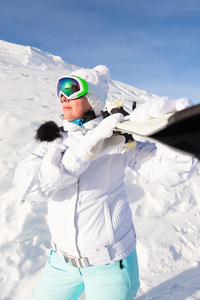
(158, 163)
(26, 175)
(42, 173)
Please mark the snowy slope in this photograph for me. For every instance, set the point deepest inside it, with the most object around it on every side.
(167, 222)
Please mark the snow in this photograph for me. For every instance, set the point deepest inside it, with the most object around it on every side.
(167, 222)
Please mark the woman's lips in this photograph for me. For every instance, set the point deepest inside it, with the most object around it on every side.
(66, 107)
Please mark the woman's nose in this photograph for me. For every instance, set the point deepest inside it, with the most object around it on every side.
(64, 99)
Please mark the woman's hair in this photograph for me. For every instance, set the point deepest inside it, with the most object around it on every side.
(88, 115)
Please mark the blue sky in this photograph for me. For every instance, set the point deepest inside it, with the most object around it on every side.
(150, 44)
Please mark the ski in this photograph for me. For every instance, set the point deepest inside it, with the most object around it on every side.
(180, 130)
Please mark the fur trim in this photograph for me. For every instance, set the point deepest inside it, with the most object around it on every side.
(48, 132)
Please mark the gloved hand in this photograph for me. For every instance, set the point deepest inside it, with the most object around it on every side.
(99, 139)
(158, 107)
(93, 144)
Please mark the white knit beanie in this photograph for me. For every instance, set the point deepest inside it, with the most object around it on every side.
(99, 76)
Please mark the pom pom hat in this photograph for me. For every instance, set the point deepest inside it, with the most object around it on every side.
(99, 76)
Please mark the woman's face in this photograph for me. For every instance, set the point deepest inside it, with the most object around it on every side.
(74, 109)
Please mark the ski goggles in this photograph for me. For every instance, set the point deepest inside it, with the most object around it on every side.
(73, 87)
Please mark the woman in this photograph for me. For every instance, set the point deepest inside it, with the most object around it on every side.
(81, 172)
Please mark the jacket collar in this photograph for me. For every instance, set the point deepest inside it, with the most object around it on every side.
(71, 127)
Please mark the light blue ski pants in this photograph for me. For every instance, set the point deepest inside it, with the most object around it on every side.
(62, 281)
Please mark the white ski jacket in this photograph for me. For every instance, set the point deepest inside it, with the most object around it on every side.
(88, 212)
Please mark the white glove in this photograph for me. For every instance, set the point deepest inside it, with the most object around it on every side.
(94, 143)
(158, 107)
(99, 139)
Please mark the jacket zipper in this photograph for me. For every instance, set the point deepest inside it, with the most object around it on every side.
(75, 212)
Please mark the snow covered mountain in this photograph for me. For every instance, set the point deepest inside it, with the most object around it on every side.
(167, 222)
